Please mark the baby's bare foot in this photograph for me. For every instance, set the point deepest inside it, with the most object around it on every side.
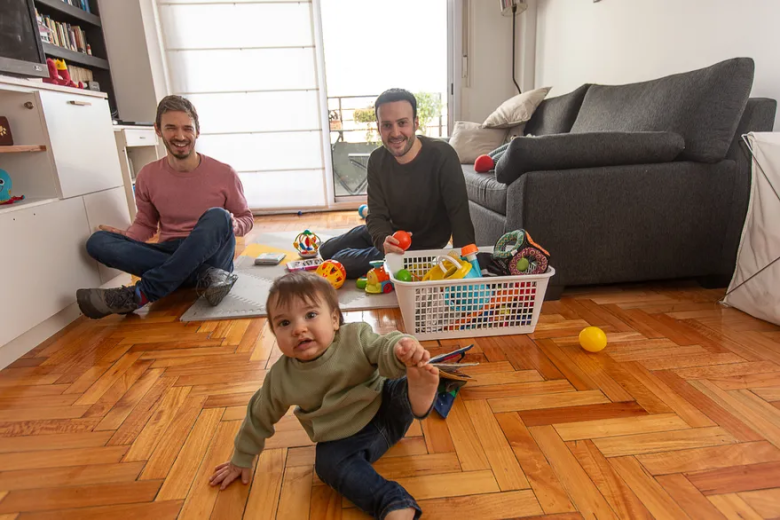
(423, 382)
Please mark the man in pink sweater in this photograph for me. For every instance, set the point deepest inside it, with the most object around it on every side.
(198, 205)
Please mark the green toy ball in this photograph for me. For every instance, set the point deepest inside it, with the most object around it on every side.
(522, 265)
(361, 283)
(403, 275)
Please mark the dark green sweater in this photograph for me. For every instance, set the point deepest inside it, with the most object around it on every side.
(426, 197)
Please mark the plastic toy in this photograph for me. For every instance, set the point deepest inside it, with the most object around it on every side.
(377, 279)
(483, 164)
(5, 186)
(440, 271)
(403, 275)
(404, 239)
(333, 272)
(363, 211)
(529, 260)
(307, 244)
(519, 254)
(54, 76)
(360, 283)
(593, 339)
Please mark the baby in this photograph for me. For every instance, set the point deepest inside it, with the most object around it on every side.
(356, 394)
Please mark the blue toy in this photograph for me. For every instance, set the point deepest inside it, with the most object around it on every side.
(5, 186)
(363, 211)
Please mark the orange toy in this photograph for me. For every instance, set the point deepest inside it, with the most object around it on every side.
(404, 239)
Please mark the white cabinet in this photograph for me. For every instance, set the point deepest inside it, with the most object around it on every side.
(43, 263)
(109, 208)
(82, 144)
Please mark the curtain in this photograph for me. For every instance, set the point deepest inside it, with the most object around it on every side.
(250, 69)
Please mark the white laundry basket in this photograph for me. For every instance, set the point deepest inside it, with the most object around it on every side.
(466, 308)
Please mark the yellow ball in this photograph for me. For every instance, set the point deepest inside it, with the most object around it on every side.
(593, 339)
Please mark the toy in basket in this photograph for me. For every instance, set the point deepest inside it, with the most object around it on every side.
(307, 244)
(498, 303)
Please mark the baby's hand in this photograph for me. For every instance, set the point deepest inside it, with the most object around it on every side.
(411, 353)
(227, 473)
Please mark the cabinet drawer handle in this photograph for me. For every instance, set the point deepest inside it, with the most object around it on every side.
(80, 103)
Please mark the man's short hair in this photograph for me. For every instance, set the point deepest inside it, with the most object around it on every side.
(392, 95)
(176, 104)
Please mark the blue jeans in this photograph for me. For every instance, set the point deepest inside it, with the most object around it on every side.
(345, 464)
(354, 249)
(166, 266)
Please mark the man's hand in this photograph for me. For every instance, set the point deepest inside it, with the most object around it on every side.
(227, 472)
(235, 224)
(391, 245)
(112, 229)
(411, 353)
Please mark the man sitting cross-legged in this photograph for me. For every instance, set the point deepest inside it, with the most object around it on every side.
(198, 204)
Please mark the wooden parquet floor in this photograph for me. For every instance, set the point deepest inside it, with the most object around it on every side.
(678, 418)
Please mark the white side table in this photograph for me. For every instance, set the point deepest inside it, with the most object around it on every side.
(137, 146)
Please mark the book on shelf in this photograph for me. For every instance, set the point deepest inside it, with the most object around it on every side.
(62, 34)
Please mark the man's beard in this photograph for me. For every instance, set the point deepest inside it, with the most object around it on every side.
(405, 150)
(171, 149)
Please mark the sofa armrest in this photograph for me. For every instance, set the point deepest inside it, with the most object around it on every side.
(566, 151)
(621, 223)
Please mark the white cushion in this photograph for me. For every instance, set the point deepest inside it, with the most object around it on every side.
(516, 110)
(470, 140)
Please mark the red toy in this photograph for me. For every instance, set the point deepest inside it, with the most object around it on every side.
(54, 76)
(404, 239)
(484, 164)
(65, 75)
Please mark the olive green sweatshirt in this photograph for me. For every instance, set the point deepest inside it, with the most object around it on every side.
(335, 395)
(426, 197)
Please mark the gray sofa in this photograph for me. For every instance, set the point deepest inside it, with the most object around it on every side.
(629, 183)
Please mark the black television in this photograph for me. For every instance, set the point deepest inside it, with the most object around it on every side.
(21, 49)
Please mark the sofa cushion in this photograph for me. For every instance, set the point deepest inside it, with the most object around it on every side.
(484, 189)
(556, 115)
(569, 151)
(470, 140)
(704, 106)
(516, 110)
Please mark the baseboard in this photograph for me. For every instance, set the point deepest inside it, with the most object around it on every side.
(21, 345)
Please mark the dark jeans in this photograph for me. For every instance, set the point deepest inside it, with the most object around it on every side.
(166, 266)
(354, 249)
(345, 464)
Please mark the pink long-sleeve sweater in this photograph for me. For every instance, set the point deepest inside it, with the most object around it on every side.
(176, 200)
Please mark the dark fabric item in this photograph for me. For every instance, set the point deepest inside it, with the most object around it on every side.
(704, 106)
(426, 197)
(556, 115)
(565, 151)
(166, 266)
(498, 152)
(488, 224)
(354, 249)
(483, 189)
(345, 464)
(627, 223)
(759, 116)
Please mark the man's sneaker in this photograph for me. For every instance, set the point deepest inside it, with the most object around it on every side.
(98, 303)
(215, 284)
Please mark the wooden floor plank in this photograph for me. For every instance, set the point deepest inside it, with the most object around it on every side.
(80, 475)
(267, 485)
(576, 413)
(483, 507)
(585, 495)
(700, 459)
(61, 458)
(505, 467)
(664, 441)
(766, 503)
(30, 500)
(573, 431)
(647, 489)
(537, 402)
(617, 493)
(736, 479)
(733, 507)
(464, 437)
(155, 510)
(690, 500)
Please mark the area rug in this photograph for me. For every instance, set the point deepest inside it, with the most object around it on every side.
(247, 299)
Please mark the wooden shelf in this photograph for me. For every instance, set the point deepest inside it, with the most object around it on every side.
(69, 10)
(28, 202)
(23, 148)
(75, 57)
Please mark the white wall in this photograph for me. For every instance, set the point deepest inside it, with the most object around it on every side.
(134, 54)
(489, 78)
(623, 41)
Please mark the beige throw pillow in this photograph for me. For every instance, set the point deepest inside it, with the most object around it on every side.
(516, 110)
(470, 140)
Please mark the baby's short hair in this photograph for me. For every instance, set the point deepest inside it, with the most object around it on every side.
(303, 286)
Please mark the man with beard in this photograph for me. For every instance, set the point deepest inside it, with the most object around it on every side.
(415, 184)
(199, 207)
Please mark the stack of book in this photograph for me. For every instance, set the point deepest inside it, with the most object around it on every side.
(81, 4)
(71, 37)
